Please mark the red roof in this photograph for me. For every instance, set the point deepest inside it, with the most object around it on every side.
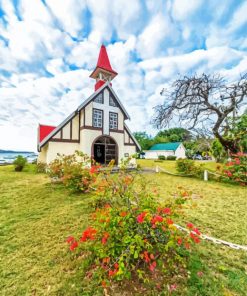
(103, 62)
(45, 130)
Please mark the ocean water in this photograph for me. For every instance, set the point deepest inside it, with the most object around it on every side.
(9, 157)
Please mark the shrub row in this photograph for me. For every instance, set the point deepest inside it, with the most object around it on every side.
(169, 157)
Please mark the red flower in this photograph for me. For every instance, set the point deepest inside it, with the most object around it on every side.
(152, 266)
(173, 287)
(70, 239)
(146, 256)
(140, 217)
(195, 238)
(89, 233)
(152, 256)
(200, 273)
(197, 231)
(237, 161)
(179, 241)
(167, 211)
(73, 245)
(105, 238)
(106, 260)
(229, 174)
(190, 225)
(156, 219)
(103, 283)
(169, 221)
(123, 214)
(114, 271)
(187, 245)
(94, 169)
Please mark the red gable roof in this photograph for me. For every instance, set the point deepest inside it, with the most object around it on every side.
(45, 130)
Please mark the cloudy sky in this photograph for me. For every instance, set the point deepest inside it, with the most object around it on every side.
(49, 47)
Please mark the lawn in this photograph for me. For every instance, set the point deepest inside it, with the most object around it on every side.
(37, 216)
(170, 165)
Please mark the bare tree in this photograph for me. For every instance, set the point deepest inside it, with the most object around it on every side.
(202, 101)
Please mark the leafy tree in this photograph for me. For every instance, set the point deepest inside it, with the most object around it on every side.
(175, 135)
(217, 150)
(238, 131)
(204, 100)
(145, 140)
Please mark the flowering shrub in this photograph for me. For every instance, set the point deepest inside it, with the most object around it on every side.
(188, 167)
(134, 236)
(74, 171)
(236, 169)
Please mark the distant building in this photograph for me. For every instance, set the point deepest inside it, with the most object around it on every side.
(166, 149)
(97, 127)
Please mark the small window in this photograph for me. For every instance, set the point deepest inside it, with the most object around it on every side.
(97, 118)
(113, 120)
(112, 102)
(99, 98)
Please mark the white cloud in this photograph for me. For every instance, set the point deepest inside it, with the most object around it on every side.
(69, 14)
(154, 38)
(184, 9)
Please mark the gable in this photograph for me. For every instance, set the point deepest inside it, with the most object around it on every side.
(113, 95)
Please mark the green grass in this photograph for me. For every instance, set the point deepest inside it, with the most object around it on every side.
(170, 165)
(36, 217)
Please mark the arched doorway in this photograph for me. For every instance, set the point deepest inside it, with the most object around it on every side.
(104, 150)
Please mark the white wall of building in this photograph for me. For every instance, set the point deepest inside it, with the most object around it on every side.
(154, 154)
(59, 147)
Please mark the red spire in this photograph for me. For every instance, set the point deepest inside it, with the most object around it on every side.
(103, 60)
(103, 65)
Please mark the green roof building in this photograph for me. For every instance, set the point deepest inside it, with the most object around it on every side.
(166, 149)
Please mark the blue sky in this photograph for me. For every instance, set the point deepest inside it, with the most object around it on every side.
(49, 47)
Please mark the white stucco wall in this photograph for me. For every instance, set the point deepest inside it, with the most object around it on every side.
(60, 147)
(180, 152)
(87, 138)
(154, 154)
(66, 131)
(75, 128)
(42, 154)
(88, 114)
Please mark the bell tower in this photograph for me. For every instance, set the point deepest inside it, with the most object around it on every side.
(103, 71)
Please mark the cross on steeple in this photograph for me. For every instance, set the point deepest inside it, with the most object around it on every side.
(103, 71)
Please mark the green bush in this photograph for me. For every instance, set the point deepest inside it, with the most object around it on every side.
(171, 157)
(188, 167)
(161, 157)
(19, 163)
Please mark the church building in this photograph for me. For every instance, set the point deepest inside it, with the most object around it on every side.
(97, 127)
